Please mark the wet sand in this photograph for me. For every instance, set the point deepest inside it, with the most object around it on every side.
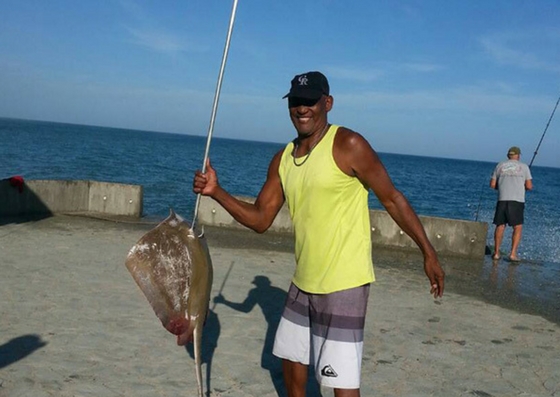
(74, 323)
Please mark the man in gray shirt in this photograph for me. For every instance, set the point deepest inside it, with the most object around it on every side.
(511, 178)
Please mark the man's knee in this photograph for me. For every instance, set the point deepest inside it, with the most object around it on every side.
(295, 377)
(347, 392)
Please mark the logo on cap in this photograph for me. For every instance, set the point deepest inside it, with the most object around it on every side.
(303, 80)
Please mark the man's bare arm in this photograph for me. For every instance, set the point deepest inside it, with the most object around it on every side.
(356, 157)
(257, 216)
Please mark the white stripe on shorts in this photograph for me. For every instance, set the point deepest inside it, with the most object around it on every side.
(336, 334)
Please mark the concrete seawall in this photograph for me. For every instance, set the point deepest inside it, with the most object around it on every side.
(68, 196)
(449, 236)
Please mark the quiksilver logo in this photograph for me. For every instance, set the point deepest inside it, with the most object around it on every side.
(303, 80)
(329, 372)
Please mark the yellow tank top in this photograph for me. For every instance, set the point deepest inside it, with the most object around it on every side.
(330, 215)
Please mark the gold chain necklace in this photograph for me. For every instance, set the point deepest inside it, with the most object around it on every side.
(296, 146)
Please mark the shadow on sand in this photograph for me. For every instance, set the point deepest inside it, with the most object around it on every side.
(271, 301)
(19, 348)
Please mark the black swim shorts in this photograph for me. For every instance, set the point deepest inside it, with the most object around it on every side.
(510, 212)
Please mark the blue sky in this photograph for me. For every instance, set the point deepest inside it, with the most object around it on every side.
(458, 79)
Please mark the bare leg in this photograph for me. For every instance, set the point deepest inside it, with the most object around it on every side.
(347, 392)
(498, 237)
(515, 240)
(295, 378)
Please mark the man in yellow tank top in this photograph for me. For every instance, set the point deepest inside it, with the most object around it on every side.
(324, 175)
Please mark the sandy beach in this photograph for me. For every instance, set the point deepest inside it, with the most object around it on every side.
(74, 323)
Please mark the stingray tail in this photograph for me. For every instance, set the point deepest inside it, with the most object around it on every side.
(198, 357)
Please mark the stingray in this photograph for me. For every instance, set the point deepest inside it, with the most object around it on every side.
(171, 265)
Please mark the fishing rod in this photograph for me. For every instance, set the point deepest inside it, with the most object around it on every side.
(545, 129)
(215, 104)
(479, 202)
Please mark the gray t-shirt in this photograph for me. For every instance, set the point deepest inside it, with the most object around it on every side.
(510, 176)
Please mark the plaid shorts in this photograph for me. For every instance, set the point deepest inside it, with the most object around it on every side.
(326, 331)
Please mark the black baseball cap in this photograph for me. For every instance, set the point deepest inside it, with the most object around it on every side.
(310, 85)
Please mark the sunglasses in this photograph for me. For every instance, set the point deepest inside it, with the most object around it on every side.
(295, 102)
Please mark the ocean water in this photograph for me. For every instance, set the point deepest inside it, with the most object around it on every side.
(165, 163)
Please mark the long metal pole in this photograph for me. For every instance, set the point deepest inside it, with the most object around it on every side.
(215, 105)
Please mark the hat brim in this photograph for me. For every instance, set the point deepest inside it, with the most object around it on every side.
(305, 93)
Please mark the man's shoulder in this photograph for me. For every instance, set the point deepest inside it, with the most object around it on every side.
(509, 163)
(350, 143)
(345, 136)
(340, 129)
(513, 168)
(504, 162)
